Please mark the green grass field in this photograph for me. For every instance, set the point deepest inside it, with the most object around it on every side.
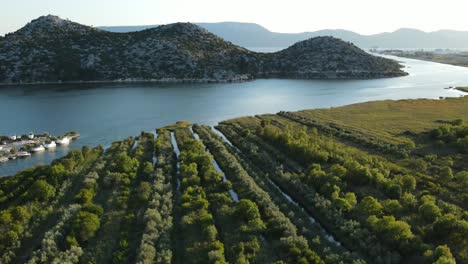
(390, 119)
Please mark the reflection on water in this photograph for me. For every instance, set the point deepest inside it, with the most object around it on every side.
(105, 113)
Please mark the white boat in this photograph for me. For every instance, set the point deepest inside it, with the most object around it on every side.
(23, 154)
(14, 137)
(63, 141)
(3, 159)
(50, 145)
(38, 149)
(31, 135)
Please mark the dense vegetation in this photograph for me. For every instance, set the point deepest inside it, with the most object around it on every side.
(50, 49)
(286, 188)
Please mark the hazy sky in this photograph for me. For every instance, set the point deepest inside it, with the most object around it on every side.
(362, 16)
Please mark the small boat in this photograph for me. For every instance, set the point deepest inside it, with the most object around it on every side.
(50, 145)
(38, 149)
(31, 135)
(63, 141)
(14, 137)
(3, 159)
(23, 154)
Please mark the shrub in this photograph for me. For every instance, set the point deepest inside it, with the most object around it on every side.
(41, 190)
(429, 211)
(85, 225)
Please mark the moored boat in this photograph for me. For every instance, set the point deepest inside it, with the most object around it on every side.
(50, 145)
(38, 149)
(63, 141)
(23, 154)
(3, 159)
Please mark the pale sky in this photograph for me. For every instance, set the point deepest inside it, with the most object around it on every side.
(362, 16)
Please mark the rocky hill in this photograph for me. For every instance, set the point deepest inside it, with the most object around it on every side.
(328, 57)
(50, 49)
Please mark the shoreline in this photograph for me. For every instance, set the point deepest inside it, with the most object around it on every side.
(169, 80)
(462, 89)
(424, 59)
(192, 81)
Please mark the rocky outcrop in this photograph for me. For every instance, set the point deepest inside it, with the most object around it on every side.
(328, 57)
(50, 49)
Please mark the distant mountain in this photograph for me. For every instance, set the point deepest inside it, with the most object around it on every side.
(254, 35)
(50, 49)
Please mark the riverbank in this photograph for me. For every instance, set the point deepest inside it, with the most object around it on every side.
(241, 78)
(454, 58)
(463, 89)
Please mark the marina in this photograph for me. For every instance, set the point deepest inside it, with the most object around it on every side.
(19, 147)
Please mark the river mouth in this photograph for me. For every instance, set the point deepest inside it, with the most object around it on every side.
(103, 113)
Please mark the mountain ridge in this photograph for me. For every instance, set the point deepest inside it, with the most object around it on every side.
(246, 36)
(50, 49)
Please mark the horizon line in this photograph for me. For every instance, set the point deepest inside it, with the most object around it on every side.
(253, 23)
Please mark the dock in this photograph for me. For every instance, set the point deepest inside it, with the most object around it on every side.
(15, 147)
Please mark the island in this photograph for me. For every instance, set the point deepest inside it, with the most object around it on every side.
(313, 186)
(53, 50)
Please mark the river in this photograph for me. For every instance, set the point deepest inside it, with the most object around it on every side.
(103, 113)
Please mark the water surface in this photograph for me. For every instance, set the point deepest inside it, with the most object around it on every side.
(105, 113)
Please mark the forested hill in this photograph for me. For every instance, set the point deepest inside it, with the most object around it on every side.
(50, 49)
(316, 186)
